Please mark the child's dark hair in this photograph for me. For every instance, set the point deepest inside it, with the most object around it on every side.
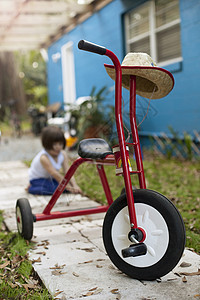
(51, 135)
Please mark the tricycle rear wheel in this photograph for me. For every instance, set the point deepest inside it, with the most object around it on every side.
(24, 218)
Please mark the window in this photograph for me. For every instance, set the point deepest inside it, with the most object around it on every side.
(154, 28)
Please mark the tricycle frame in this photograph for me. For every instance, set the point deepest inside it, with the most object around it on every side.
(147, 251)
(47, 214)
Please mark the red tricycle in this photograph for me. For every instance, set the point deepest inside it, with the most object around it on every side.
(143, 232)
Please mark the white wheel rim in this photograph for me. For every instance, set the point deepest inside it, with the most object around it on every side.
(19, 219)
(157, 234)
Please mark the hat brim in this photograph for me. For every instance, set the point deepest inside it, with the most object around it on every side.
(151, 82)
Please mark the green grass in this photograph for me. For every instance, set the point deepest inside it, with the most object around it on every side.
(178, 180)
(17, 277)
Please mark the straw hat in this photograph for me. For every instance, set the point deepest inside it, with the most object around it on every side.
(151, 81)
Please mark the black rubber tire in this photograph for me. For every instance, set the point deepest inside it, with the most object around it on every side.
(24, 218)
(174, 228)
(123, 191)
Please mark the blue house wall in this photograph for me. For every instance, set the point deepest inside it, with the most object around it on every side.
(180, 109)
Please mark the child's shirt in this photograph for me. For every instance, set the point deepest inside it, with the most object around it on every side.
(36, 169)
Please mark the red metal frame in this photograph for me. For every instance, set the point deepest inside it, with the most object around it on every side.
(136, 142)
(47, 214)
(109, 160)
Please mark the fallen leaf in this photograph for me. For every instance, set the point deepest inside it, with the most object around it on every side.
(28, 286)
(190, 249)
(115, 291)
(32, 281)
(98, 266)
(24, 278)
(11, 284)
(57, 267)
(86, 262)
(57, 273)
(86, 249)
(88, 294)
(75, 274)
(93, 289)
(190, 273)
(42, 253)
(57, 293)
(18, 283)
(17, 258)
(36, 260)
(5, 264)
(184, 279)
(46, 241)
(171, 279)
(185, 264)
(177, 274)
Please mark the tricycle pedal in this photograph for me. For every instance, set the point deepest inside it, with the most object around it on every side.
(134, 250)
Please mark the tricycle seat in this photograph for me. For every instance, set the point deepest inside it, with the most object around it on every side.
(94, 148)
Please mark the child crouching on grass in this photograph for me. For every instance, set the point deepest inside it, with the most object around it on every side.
(44, 172)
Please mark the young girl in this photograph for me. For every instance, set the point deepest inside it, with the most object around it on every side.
(44, 172)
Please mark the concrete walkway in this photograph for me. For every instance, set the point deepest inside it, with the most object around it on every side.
(24, 148)
(69, 255)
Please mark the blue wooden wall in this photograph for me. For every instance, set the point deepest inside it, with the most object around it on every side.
(180, 109)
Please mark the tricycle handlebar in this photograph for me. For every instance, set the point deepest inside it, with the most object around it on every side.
(88, 46)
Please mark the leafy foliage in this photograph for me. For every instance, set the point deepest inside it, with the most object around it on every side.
(183, 146)
(93, 119)
(33, 73)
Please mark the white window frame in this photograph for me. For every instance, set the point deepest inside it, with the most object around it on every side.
(151, 34)
(68, 73)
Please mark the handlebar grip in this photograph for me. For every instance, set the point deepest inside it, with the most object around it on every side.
(88, 46)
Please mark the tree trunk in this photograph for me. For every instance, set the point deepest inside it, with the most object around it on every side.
(11, 88)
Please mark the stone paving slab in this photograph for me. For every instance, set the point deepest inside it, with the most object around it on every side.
(74, 263)
(71, 257)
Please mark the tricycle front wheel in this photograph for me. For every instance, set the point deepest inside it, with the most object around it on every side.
(164, 235)
(24, 218)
